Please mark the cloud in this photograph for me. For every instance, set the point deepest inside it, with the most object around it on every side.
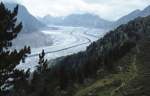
(118, 8)
(108, 9)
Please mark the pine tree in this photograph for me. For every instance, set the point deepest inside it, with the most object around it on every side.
(9, 59)
(42, 67)
(38, 83)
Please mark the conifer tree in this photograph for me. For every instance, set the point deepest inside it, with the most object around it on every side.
(9, 59)
(42, 67)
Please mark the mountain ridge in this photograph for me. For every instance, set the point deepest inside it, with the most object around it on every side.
(131, 16)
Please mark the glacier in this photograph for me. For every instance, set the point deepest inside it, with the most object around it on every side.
(65, 41)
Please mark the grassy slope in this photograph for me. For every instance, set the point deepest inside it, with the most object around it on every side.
(132, 80)
(140, 85)
(110, 85)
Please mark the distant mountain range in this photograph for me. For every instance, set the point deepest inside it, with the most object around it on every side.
(90, 20)
(78, 20)
(30, 23)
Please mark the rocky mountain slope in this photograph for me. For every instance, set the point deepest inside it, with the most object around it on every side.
(30, 23)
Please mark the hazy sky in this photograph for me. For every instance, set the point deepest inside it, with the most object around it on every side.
(107, 9)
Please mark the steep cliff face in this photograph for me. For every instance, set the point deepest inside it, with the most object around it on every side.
(30, 23)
